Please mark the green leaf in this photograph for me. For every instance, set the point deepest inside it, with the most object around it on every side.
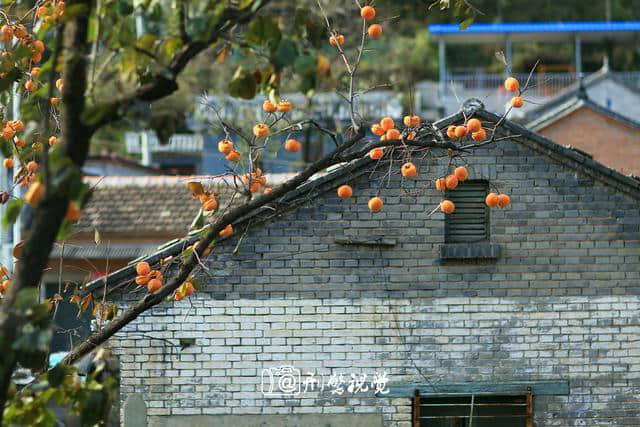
(125, 34)
(11, 212)
(147, 42)
(26, 299)
(6, 147)
(92, 29)
(243, 85)
(307, 83)
(171, 46)
(464, 24)
(305, 65)
(22, 51)
(125, 8)
(97, 400)
(73, 10)
(185, 255)
(56, 375)
(48, 394)
(306, 26)
(203, 24)
(198, 221)
(7, 81)
(40, 313)
(80, 192)
(197, 285)
(264, 31)
(96, 237)
(33, 339)
(65, 230)
(286, 54)
(94, 114)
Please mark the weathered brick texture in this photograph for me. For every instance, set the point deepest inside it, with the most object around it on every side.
(560, 303)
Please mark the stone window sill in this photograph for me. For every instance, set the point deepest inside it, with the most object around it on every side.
(470, 251)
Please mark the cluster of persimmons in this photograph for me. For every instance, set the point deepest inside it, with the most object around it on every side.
(387, 131)
(153, 280)
(5, 280)
(374, 30)
(16, 37)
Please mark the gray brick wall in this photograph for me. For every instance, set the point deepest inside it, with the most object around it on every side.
(560, 303)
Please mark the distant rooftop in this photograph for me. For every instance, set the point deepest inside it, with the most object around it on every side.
(535, 31)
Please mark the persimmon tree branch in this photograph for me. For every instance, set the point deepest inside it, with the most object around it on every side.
(182, 25)
(165, 84)
(185, 270)
(350, 68)
(346, 152)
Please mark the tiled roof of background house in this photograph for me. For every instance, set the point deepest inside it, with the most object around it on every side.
(139, 205)
(93, 165)
(147, 204)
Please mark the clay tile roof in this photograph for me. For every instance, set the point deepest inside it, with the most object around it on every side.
(146, 204)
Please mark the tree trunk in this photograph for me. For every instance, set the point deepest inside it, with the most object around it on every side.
(49, 214)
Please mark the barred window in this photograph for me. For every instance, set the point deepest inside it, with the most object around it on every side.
(476, 410)
(469, 222)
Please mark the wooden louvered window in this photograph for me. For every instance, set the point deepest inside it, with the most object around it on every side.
(469, 223)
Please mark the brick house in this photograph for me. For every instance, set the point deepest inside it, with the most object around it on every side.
(515, 317)
(608, 136)
(617, 92)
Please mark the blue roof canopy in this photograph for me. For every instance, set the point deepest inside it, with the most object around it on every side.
(535, 31)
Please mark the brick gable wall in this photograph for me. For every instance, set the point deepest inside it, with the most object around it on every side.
(561, 303)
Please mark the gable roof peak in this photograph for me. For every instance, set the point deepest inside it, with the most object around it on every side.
(605, 64)
(472, 106)
(582, 90)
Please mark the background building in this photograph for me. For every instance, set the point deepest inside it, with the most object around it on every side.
(608, 136)
(459, 84)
